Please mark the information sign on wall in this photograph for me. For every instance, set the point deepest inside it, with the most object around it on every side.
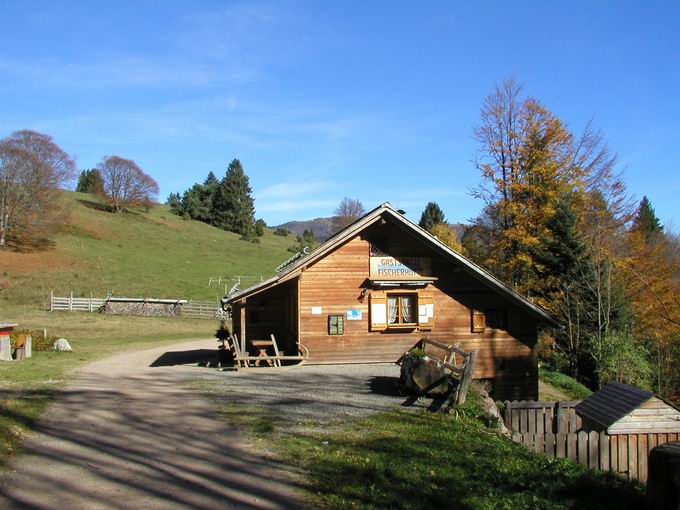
(354, 315)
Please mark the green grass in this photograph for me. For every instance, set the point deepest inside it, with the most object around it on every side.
(567, 385)
(154, 254)
(421, 460)
(425, 460)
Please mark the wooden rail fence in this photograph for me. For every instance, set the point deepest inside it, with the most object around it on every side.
(541, 417)
(76, 304)
(626, 454)
(192, 309)
(202, 310)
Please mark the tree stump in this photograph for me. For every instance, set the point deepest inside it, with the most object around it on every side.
(424, 376)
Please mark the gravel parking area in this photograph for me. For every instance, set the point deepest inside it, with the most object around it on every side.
(310, 395)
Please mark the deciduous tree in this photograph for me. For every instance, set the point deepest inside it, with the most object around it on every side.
(125, 184)
(446, 235)
(32, 169)
(62, 166)
(348, 211)
(528, 159)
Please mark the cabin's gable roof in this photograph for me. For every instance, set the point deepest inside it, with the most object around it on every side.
(387, 211)
(613, 402)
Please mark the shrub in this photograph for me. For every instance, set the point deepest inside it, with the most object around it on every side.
(281, 231)
(260, 225)
(39, 341)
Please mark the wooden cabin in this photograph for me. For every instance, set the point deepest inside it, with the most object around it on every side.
(375, 289)
(623, 409)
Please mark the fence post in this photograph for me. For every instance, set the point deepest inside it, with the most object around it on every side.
(559, 418)
(70, 302)
(51, 300)
(507, 413)
(90, 303)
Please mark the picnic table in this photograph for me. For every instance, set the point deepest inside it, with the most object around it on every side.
(262, 346)
(5, 347)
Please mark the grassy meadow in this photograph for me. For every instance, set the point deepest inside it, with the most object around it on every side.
(141, 254)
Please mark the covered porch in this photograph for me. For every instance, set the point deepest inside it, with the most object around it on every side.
(273, 311)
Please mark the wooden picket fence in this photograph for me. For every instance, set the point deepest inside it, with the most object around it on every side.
(554, 429)
(626, 454)
(541, 417)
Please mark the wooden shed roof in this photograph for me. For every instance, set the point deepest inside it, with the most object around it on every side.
(613, 402)
(386, 211)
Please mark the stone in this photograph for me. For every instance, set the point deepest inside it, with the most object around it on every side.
(62, 345)
(491, 410)
(663, 478)
(424, 376)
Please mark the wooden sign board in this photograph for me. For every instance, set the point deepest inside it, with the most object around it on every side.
(403, 268)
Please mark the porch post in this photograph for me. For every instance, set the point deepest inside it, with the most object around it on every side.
(242, 319)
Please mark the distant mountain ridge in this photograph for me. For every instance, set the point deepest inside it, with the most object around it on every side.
(323, 227)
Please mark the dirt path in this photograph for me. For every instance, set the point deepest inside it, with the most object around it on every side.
(126, 435)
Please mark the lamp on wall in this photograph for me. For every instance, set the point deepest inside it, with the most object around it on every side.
(363, 294)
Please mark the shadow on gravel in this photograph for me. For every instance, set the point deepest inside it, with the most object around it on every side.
(385, 385)
(202, 357)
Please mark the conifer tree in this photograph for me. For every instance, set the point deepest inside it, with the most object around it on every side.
(432, 215)
(646, 221)
(233, 205)
(175, 203)
(90, 181)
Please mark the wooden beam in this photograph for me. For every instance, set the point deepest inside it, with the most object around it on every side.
(242, 321)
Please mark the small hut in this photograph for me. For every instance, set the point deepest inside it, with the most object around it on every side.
(623, 409)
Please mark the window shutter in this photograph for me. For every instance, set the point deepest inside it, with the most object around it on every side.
(425, 312)
(378, 302)
(336, 325)
(478, 321)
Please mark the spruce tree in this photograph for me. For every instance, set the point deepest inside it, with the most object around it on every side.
(90, 181)
(432, 215)
(646, 221)
(175, 203)
(233, 205)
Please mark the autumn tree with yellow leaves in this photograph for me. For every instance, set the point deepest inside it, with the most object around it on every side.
(557, 226)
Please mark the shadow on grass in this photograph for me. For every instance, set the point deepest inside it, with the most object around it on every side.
(422, 461)
(97, 206)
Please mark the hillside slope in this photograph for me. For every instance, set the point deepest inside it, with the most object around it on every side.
(154, 254)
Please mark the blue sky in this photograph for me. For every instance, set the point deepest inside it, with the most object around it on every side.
(320, 100)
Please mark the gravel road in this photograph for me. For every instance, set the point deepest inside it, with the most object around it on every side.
(128, 435)
(309, 395)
